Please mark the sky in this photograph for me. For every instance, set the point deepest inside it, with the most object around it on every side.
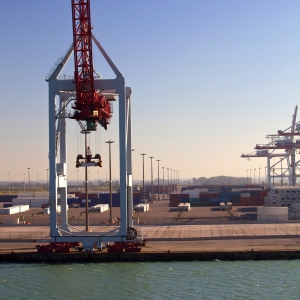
(209, 80)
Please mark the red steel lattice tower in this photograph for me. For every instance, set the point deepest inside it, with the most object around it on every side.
(89, 106)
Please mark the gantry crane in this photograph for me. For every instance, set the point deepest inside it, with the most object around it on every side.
(278, 143)
(269, 155)
(91, 107)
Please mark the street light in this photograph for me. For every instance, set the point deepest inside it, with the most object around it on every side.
(175, 178)
(266, 176)
(158, 160)
(151, 178)
(168, 181)
(143, 154)
(254, 176)
(29, 178)
(110, 188)
(163, 182)
(250, 175)
(171, 181)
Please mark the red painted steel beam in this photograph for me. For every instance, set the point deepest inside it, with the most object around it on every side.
(89, 104)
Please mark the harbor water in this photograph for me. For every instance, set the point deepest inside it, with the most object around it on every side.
(159, 280)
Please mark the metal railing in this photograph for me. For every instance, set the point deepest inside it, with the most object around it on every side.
(177, 233)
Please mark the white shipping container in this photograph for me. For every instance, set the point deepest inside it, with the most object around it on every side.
(245, 195)
(180, 206)
(187, 206)
(272, 211)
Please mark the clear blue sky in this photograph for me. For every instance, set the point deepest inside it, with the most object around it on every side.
(209, 78)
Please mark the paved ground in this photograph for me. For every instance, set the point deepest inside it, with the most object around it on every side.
(17, 233)
(274, 244)
(159, 213)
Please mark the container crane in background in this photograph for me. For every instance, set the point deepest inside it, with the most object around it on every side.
(91, 107)
(278, 143)
(269, 155)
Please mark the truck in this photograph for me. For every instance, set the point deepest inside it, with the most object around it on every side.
(222, 206)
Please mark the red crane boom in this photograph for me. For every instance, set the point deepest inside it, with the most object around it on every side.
(90, 106)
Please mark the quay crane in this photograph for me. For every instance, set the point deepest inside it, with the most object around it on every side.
(90, 98)
(278, 143)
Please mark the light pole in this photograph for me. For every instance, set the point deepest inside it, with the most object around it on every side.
(259, 175)
(48, 180)
(171, 181)
(175, 179)
(151, 178)
(143, 154)
(24, 182)
(110, 188)
(254, 177)
(8, 181)
(158, 160)
(266, 176)
(168, 181)
(37, 181)
(250, 175)
(29, 178)
(163, 182)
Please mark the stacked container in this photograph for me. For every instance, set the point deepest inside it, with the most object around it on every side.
(283, 197)
(174, 200)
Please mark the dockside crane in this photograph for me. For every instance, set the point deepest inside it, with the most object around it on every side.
(287, 143)
(90, 100)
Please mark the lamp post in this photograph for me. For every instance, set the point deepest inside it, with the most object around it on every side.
(250, 175)
(163, 182)
(259, 175)
(158, 160)
(171, 181)
(29, 178)
(8, 181)
(168, 181)
(265, 176)
(254, 176)
(110, 187)
(175, 180)
(143, 154)
(24, 182)
(151, 178)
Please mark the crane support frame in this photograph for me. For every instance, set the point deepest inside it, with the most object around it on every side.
(57, 170)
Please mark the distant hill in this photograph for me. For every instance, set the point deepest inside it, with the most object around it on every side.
(219, 180)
